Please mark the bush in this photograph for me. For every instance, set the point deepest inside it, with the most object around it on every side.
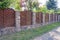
(44, 10)
(5, 4)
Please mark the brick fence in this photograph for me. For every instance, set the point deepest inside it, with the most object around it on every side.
(30, 19)
(12, 21)
(7, 21)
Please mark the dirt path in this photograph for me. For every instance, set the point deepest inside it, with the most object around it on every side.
(52, 35)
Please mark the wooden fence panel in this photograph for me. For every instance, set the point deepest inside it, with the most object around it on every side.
(54, 17)
(39, 17)
(51, 17)
(9, 18)
(29, 18)
(25, 18)
(46, 17)
(1, 19)
(22, 18)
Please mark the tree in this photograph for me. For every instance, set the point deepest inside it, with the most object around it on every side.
(58, 11)
(32, 4)
(52, 4)
(29, 4)
(16, 5)
(43, 9)
(35, 5)
(5, 4)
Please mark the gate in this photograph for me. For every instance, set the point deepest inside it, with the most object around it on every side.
(7, 18)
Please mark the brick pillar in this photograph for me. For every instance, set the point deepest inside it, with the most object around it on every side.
(53, 17)
(56, 18)
(43, 19)
(34, 19)
(18, 21)
(49, 18)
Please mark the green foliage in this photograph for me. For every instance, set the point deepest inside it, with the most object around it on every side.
(41, 9)
(35, 5)
(31, 33)
(16, 5)
(5, 4)
(50, 11)
(1, 0)
(44, 10)
(29, 4)
(32, 4)
(57, 11)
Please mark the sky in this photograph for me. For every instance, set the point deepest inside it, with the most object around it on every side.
(43, 2)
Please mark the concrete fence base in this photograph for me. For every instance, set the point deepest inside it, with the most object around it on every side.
(17, 21)
(7, 30)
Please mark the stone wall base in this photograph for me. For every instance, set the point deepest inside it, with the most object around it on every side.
(30, 26)
(7, 30)
(34, 26)
(10, 30)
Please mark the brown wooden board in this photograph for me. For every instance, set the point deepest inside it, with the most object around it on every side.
(51, 17)
(39, 17)
(46, 17)
(7, 18)
(1, 19)
(25, 18)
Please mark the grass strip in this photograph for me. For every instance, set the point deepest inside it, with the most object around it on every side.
(31, 33)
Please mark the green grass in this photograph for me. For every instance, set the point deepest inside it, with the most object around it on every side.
(31, 33)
